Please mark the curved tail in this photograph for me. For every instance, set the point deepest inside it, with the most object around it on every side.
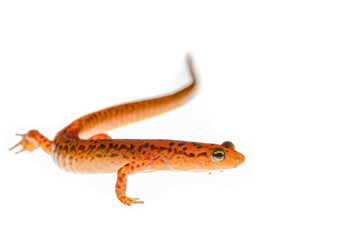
(120, 115)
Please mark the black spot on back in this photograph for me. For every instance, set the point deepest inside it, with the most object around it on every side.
(122, 147)
(73, 148)
(102, 146)
(81, 148)
(202, 154)
(181, 144)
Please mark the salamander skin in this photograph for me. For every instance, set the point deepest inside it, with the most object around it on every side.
(83, 147)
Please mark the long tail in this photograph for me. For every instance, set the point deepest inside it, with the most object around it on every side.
(120, 115)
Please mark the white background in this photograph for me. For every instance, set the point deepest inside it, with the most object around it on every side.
(280, 79)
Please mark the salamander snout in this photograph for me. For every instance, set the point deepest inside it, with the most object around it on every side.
(238, 157)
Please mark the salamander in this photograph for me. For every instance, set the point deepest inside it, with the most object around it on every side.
(84, 147)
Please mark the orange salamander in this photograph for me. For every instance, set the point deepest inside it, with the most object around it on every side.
(83, 147)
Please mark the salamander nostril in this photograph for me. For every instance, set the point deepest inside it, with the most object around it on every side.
(241, 158)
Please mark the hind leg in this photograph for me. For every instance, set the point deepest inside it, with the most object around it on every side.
(100, 136)
(32, 140)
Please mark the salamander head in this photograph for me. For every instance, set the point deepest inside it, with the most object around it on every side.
(206, 157)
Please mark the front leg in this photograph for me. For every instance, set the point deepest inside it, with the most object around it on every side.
(123, 172)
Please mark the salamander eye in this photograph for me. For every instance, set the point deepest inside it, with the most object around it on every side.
(228, 144)
(218, 154)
